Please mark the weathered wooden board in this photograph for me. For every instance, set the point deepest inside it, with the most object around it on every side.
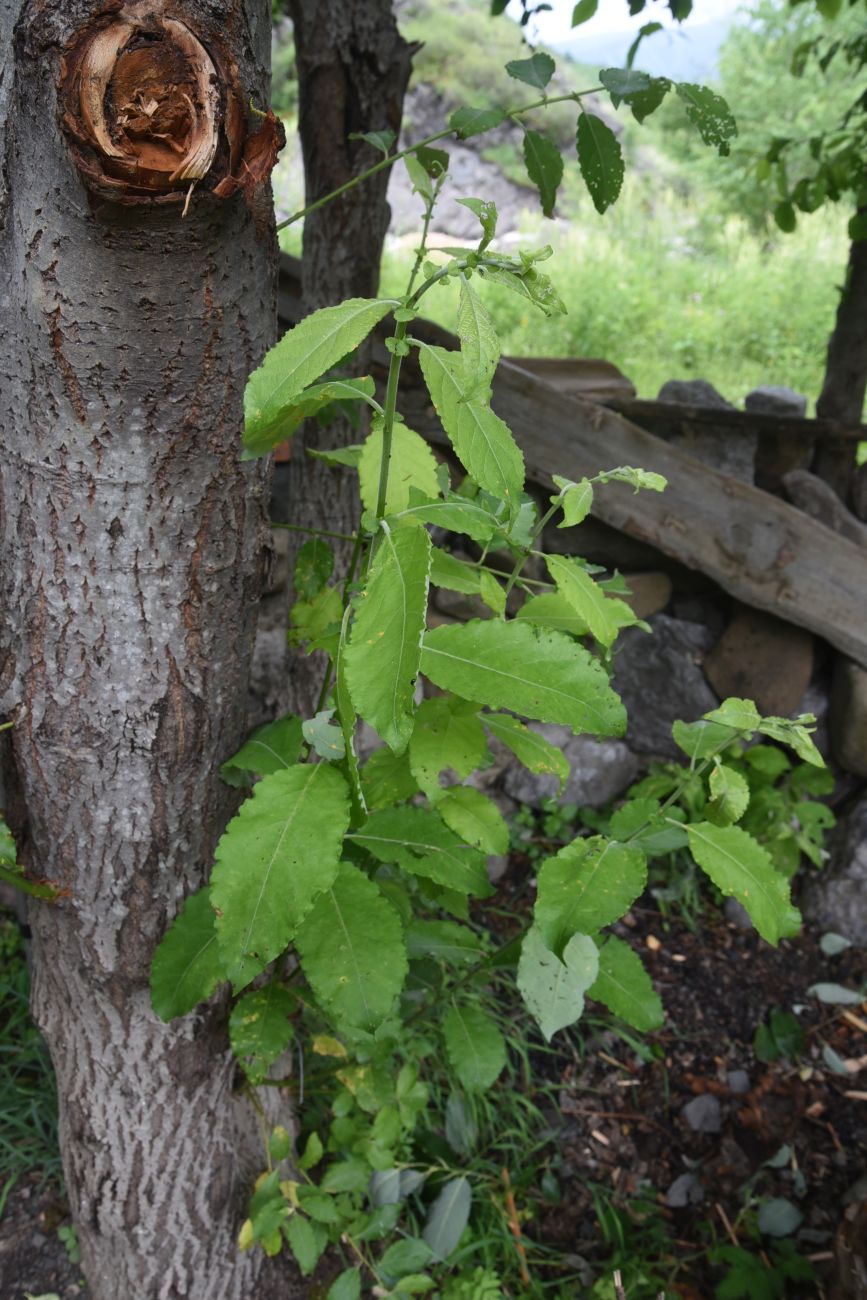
(757, 547)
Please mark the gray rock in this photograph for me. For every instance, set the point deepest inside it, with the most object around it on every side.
(736, 914)
(704, 1114)
(693, 392)
(659, 678)
(848, 716)
(732, 451)
(776, 399)
(738, 1081)
(685, 1190)
(600, 770)
(837, 900)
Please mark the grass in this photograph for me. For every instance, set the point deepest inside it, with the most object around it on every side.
(28, 1104)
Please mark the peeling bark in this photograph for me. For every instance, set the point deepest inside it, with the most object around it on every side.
(353, 68)
(132, 554)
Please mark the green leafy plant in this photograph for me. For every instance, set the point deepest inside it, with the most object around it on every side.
(346, 904)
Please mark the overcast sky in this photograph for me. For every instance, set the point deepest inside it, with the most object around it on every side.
(613, 16)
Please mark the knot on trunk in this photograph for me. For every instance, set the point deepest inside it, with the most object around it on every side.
(151, 107)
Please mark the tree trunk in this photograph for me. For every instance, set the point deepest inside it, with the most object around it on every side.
(353, 68)
(132, 543)
(845, 383)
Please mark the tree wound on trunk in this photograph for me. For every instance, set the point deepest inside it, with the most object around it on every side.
(151, 107)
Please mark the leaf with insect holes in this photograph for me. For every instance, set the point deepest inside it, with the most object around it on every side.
(352, 951)
(544, 166)
(624, 987)
(475, 1047)
(620, 82)
(274, 858)
(531, 750)
(480, 347)
(186, 967)
(411, 465)
(486, 211)
(382, 656)
(604, 615)
(600, 160)
(645, 102)
(259, 1029)
(553, 990)
(483, 443)
(418, 840)
(543, 675)
(536, 71)
(709, 114)
(588, 884)
(740, 867)
(270, 748)
(302, 355)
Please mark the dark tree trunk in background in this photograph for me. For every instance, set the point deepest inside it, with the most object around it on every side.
(353, 67)
(132, 542)
(845, 383)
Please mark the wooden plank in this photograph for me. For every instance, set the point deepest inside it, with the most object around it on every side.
(757, 547)
(674, 415)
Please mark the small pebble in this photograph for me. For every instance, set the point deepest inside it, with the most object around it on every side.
(685, 1190)
(738, 1081)
(703, 1114)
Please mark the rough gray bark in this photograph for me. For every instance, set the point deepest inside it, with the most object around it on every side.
(845, 382)
(353, 67)
(132, 542)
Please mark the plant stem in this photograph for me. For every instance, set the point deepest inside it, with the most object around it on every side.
(522, 559)
(313, 532)
(421, 144)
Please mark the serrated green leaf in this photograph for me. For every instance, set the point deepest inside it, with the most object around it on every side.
(334, 456)
(274, 858)
(312, 1154)
(268, 749)
(480, 438)
(588, 884)
(740, 715)
(544, 167)
(648, 101)
(313, 568)
(447, 734)
(532, 750)
(553, 990)
(792, 732)
(536, 71)
(475, 818)
(467, 122)
(624, 987)
(620, 82)
(381, 140)
(259, 1029)
(419, 176)
(386, 779)
(306, 1241)
(576, 501)
(302, 355)
(636, 478)
(541, 674)
(709, 114)
(186, 966)
(554, 611)
(347, 1286)
(492, 593)
(486, 211)
(453, 574)
(412, 465)
(382, 656)
(600, 160)
(444, 941)
(405, 1256)
(530, 284)
(474, 1045)
(480, 347)
(317, 622)
(348, 722)
(456, 515)
(311, 401)
(739, 866)
(352, 950)
(419, 841)
(701, 739)
(730, 796)
(604, 615)
(447, 1217)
